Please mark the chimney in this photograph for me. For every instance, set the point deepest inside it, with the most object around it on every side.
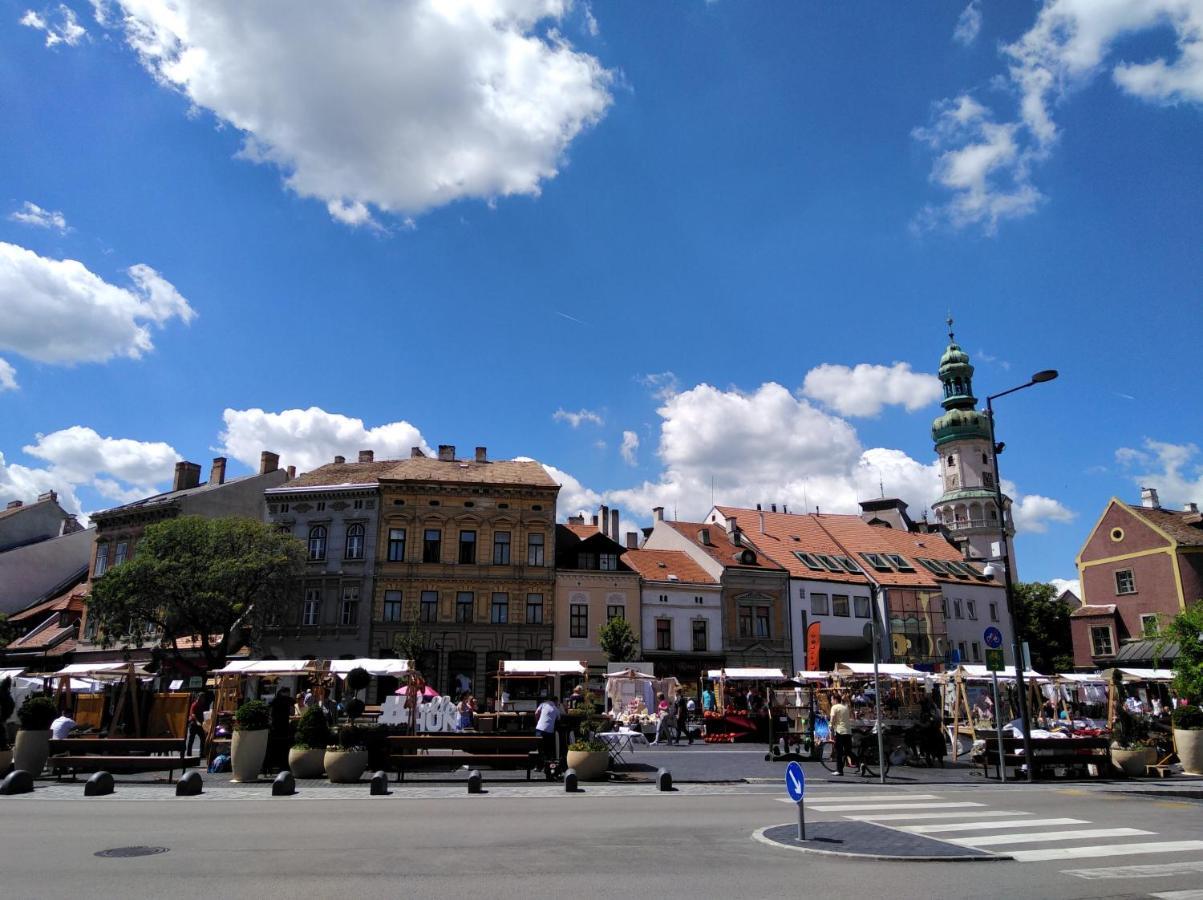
(604, 515)
(1190, 507)
(52, 496)
(1148, 498)
(447, 452)
(773, 507)
(339, 460)
(704, 536)
(187, 475)
(762, 522)
(416, 453)
(217, 475)
(268, 462)
(291, 472)
(14, 504)
(366, 456)
(657, 513)
(576, 520)
(784, 508)
(758, 507)
(614, 524)
(482, 454)
(593, 520)
(732, 527)
(632, 540)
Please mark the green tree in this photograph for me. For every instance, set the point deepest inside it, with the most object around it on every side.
(1044, 623)
(411, 644)
(219, 582)
(618, 640)
(1186, 630)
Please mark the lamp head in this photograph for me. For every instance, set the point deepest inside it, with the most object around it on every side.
(1046, 375)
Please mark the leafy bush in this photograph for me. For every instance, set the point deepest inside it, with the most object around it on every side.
(358, 679)
(1130, 733)
(37, 712)
(313, 732)
(1188, 718)
(254, 715)
(350, 738)
(590, 745)
(353, 708)
(1186, 630)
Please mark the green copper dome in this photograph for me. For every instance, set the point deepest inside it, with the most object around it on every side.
(961, 420)
(959, 425)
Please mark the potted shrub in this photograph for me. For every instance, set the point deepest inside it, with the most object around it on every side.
(33, 736)
(1188, 738)
(1186, 631)
(590, 757)
(249, 745)
(305, 758)
(6, 710)
(346, 760)
(1132, 750)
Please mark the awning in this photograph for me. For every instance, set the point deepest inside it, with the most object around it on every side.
(96, 671)
(1139, 674)
(10, 673)
(1083, 677)
(269, 667)
(394, 667)
(633, 674)
(747, 674)
(977, 672)
(542, 667)
(890, 670)
(1145, 651)
(813, 676)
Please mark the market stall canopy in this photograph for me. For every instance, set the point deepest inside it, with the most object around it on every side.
(977, 672)
(97, 671)
(1138, 674)
(632, 673)
(890, 670)
(542, 667)
(10, 673)
(813, 676)
(270, 667)
(394, 667)
(747, 674)
(1082, 677)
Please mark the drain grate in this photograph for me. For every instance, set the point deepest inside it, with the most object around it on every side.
(123, 852)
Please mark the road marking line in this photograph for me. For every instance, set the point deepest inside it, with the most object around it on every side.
(846, 798)
(1036, 837)
(1179, 895)
(1103, 850)
(914, 817)
(981, 826)
(1159, 870)
(865, 807)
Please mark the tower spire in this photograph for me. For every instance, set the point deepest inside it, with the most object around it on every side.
(951, 336)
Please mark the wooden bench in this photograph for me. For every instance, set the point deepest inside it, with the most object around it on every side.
(127, 755)
(1047, 753)
(477, 750)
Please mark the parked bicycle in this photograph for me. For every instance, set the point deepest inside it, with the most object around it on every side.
(862, 755)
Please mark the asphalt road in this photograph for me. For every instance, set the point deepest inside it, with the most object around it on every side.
(615, 841)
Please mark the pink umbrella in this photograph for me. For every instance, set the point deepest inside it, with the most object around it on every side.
(427, 691)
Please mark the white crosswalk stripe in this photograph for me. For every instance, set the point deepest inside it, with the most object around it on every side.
(982, 826)
(864, 807)
(1100, 850)
(1039, 837)
(1195, 894)
(943, 816)
(1158, 870)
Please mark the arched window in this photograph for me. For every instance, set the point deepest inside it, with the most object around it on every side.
(354, 549)
(317, 542)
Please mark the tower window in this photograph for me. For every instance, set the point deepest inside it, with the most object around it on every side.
(952, 461)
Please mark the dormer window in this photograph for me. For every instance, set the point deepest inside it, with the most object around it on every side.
(808, 560)
(900, 563)
(877, 561)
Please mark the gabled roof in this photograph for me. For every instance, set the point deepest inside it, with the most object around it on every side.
(584, 532)
(1175, 523)
(169, 497)
(525, 472)
(1085, 612)
(721, 548)
(68, 600)
(661, 565)
(339, 475)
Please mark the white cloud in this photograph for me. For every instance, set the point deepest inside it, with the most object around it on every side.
(380, 106)
(575, 419)
(1033, 513)
(986, 165)
(969, 23)
(34, 215)
(18, 482)
(866, 389)
(68, 30)
(574, 497)
(1061, 585)
(8, 376)
(630, 446)
(591, 26)
(662, 385)
(308, 438)
(57, 311)
(1175, 470)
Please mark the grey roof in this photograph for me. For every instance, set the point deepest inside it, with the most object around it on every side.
(1146, 651)
(34, 572)
(169, 497)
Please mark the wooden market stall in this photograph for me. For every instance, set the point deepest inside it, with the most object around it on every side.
(968, 719)
(231, 682)
(631, 697)
(732, 720)
(85, 684)
(793, 710)
(522, 684)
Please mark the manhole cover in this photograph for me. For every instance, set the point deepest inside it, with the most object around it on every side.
(122, 852)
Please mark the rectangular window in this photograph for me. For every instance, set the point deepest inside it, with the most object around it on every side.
(534, 609)
(578, 620)
(900, 563)
(1125, 583)
(499, 609)
(839, 605)
(944, 606)
(830, 563)
(762, 621)
(432, 545)
(745, 621)
(971, 609)
(956, 609)
(1101, 643)
(586, 560)
(860, 606)
(616, 612)
(988, 479)
(663, 598)
(392, 607)
(534, 549)
(664, 634)
(808, 560)
(963, 651)
(428, 608)
(119, 558)
(818, 605)
(467, 548)
(311, 614)
(396, 545)
(993, 611)
(848, 563)
(1148, 624)
(501, 548)
(700, 640)
(977, 651)
(877, 561)
(464, 601)
(348, 614)
(102, 560)
(608, 562)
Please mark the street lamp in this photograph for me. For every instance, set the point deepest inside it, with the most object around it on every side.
(1005, 558)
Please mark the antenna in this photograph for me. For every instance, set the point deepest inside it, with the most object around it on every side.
(712, 490)
(949, 321)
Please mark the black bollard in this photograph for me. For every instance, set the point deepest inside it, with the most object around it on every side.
(570, 782)
(189, 785)
(284, 785)
(475, 782)
(18, 781)
(664, 780)
(100, 784)
(380, 784)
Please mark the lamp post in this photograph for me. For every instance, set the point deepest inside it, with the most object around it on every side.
(1005, 558)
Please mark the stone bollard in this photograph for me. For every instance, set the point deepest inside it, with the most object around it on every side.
(475, 782)
(379, 784)
(18, 781)
(284, 785)
(570, 782)
(100, 784)
(189, 785)
(664, 780)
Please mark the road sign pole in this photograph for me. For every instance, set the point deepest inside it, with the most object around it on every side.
(801, 822)
(1002, 758)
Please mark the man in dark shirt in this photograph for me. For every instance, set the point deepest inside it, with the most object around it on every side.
(682, 711)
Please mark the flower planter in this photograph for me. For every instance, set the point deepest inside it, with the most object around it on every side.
(306, 763)
(345, 766)
(590, 765)
(31, 751)
(246, 754)
(1189, 745)
(1133, 763)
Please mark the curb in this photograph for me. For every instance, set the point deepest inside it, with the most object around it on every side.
(759, 835)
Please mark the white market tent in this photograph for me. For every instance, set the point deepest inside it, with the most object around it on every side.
(10, 673)
(809, 675)
(1082, 677)
(981, 673)
(1142, 674)
(113, 671)
(377, 667)
(542, 667)
(270, 667)
(746, 674)
(889, 670)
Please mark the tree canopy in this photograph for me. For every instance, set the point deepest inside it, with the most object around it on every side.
(1044, 623)
(618, 640)
(1186, 630)
(215, 581)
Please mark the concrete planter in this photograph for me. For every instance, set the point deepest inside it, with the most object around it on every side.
(306, 763)
(1189, 745)
(1133, 763)
(246, 754)
(590, 765)
(345, 766)
(31, 751)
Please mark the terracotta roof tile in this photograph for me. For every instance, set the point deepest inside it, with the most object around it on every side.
(1173, 522)
(429, 469)
(584, 532)
(658, 565)
(721, 549)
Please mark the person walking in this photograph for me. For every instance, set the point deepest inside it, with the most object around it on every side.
(682, 710)
(841, 732)
(546, 716)
(196, 720)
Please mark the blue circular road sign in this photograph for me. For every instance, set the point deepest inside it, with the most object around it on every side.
(795, 782)
(993, 638)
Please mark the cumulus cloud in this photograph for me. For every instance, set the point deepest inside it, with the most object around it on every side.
(66, 30)
(969, 23)
(630, 446)
(8, 376)
(986, 164)
(57, 311)
(662, 385)
(33, 215)
(866, 389)
(308, 438)
(574, 497)
(1175, 470)
(18, 482)
(381, 106)
(575, 419)
(1061, 585)
(1033, 513)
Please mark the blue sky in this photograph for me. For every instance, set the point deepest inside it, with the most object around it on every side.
(319, 231)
